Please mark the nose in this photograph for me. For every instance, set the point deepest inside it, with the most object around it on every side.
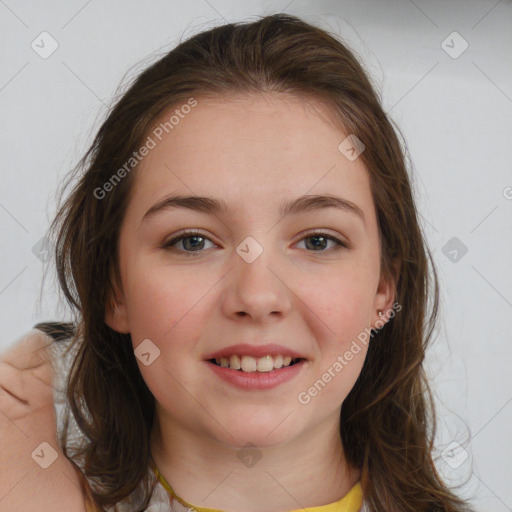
(256, 290)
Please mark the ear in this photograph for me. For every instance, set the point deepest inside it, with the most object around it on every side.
(116, 314)
(385, 295)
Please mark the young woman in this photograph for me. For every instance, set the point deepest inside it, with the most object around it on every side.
(242, 250)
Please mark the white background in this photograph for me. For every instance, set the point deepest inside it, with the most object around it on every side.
(455, 114)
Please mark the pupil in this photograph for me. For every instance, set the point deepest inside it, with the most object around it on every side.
(185, 240)
(316, 245)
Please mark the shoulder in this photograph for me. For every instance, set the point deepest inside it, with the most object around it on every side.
(39, 476)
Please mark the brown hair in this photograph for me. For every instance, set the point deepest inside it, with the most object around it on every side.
(388, 418)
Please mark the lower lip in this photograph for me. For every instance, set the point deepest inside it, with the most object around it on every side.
(256, 380)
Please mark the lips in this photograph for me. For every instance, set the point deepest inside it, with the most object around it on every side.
(256, 351)
(256, 380)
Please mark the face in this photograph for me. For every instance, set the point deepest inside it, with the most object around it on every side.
(308, 280)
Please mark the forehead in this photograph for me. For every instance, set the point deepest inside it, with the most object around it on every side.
(249, 148)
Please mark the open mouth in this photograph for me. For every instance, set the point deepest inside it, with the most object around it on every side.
(249, 364)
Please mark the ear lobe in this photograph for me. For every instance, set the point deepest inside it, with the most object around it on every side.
(116, 315)
(386, 291)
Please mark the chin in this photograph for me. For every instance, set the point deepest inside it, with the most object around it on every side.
(264, 433)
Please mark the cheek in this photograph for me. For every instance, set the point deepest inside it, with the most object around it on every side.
(164, 307)
(342, 300)
(169, 306)
(150, 309)
(156, 298)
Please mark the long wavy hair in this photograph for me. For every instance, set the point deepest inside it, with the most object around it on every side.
(387, 423)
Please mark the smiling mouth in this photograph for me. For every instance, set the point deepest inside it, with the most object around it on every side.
(248, 364)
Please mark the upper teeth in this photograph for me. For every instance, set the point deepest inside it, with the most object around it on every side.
(252, 364)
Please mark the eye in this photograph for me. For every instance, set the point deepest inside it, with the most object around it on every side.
(192, 242)
(320, 240)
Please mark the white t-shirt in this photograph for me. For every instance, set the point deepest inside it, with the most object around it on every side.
(160, 499)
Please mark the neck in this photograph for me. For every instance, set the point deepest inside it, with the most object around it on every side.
(307, 471)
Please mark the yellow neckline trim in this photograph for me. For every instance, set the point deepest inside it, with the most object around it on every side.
(351, 502)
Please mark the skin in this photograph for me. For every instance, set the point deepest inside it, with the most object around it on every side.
(254, 152)
(27, 420)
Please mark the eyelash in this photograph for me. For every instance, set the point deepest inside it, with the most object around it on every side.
(308, 234)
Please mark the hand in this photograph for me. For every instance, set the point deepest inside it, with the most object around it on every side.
(34, 473)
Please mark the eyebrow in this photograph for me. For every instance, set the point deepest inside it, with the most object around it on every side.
(211, 205)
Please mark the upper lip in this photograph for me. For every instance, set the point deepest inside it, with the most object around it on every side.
(257, 351)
